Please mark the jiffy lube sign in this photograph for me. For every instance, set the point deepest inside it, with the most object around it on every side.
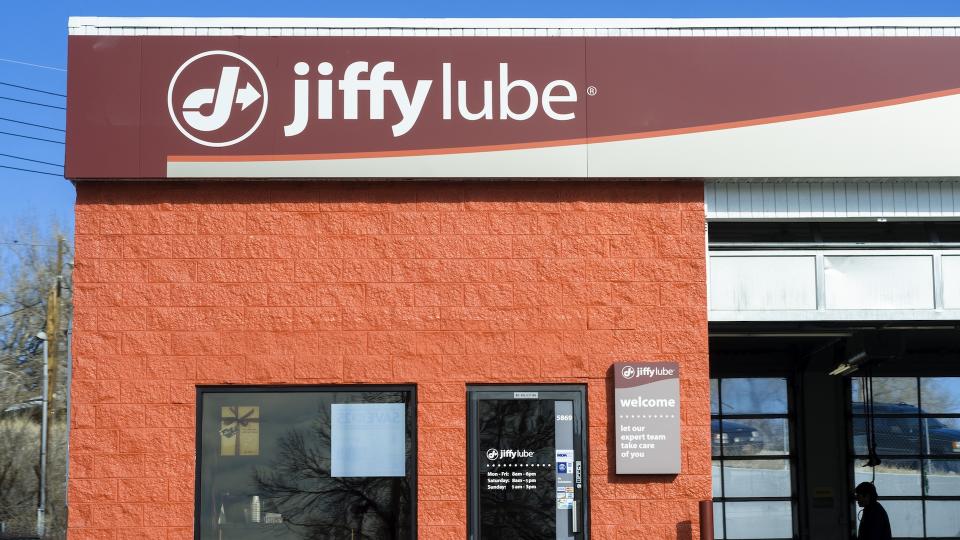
(647, 423)
(246, 107)
(511, 107)
(317, 97)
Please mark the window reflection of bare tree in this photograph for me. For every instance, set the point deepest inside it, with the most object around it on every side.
(749, 396)
(887, 390)
(316, 506)
(519, 514)
(938, 395)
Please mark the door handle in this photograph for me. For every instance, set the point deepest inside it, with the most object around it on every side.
(574, 524)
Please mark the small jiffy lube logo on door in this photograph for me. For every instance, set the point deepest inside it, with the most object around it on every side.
(494, 454)
(217, 98)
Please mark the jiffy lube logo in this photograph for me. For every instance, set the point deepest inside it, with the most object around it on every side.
(217, 98)
(494, 454)
(630, 372)
(373, 83)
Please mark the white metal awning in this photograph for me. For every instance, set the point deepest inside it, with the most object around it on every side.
(794, 200)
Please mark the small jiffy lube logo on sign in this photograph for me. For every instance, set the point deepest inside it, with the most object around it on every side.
(630, 372)
(217, 98)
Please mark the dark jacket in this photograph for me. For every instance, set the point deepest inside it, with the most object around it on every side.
(874, 523)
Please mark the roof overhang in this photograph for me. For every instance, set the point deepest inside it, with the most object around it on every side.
(266, 26)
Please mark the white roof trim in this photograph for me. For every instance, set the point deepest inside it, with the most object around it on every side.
(871, 26)
(787, 199)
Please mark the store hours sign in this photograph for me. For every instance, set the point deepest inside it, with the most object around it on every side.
(647, 417)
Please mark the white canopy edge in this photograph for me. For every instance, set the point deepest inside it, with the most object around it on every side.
(251, 26)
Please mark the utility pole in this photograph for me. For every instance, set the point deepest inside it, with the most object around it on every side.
(42, 491)
(51, 340)
(53, 325)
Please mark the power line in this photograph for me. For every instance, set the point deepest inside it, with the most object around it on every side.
(31, 89)
(26, 244)
(24, 308)
(33, 160)
(29, 137)
(33, 103)
(31, 65)
(31, 171)
(31, 124)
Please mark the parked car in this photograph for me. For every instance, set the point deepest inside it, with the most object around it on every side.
(901, 431)
(736, 438)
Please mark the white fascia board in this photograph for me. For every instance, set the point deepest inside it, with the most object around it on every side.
(424, 23)
(835, 315)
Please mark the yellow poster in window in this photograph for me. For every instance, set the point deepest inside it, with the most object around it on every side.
(239, 431)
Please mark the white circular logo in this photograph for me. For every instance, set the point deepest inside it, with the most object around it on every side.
(493, 454)
(206, 99)
(628, 372)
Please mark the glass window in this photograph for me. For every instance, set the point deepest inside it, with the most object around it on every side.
(940, 436)
(752, 436)
(753, 463)
(943, 519)
(941, 394)
(714, 396)
(894, 436)
(757, 478)
(942, 478)
(718, 531)
(916, 428)
(335, 463)
(753, 396)
(759, 519)
(906, 518)
(891, 395)
(902, 476)
(716, 480)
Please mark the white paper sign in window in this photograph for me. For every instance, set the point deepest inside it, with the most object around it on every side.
(367, 439)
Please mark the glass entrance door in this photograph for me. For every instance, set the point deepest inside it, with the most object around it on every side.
(528, 466)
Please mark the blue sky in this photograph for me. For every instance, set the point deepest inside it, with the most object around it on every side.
(36, 33)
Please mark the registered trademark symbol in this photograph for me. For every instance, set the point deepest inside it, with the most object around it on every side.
(591, 90)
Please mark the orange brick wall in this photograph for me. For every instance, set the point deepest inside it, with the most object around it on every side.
(444, 283)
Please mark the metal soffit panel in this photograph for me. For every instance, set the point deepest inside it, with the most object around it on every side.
(832, 199)
(234, 26)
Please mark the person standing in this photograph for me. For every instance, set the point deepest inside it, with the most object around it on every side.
(874, 523)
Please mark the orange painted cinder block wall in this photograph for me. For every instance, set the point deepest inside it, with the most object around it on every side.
(439, 284)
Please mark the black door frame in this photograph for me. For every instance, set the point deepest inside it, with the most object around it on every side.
(574, 392)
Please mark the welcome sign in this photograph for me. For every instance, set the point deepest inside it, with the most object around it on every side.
(647, 423)
(567, 107)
